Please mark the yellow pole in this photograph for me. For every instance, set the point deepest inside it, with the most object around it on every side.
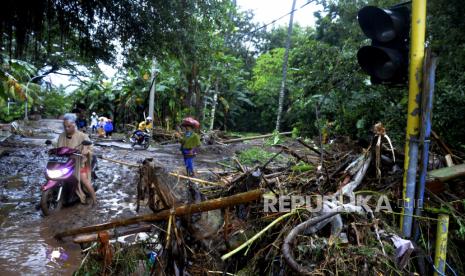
(417, 52)
(441, 245)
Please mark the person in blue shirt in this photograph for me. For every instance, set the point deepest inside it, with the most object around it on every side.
(108, 127)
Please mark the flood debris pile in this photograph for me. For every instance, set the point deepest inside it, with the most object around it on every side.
(327, 209)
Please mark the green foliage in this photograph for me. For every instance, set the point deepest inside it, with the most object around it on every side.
(302, 167)
(54, 103)
(295, 133)
(265, 84)
(274, 140)
(199, 44)
(257, 156)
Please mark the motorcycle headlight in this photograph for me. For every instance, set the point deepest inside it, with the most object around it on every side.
(58, 173)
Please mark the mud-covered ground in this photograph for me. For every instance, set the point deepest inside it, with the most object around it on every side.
(26, 236)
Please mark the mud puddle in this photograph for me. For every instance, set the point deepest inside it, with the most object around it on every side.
(26, 237)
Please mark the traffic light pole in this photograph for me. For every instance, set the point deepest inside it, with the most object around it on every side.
(417, 52)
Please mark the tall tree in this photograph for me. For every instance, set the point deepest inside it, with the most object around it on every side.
(286, 57)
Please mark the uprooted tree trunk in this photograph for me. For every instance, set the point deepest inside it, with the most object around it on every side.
(154, 182)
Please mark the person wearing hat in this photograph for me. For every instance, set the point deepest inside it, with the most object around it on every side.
(144, 126)
(190, 143)
(93, 122)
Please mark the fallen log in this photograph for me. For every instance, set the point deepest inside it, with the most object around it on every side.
(204, 206)
(253, 137)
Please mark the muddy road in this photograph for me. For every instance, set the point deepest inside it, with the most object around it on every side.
(26, 237)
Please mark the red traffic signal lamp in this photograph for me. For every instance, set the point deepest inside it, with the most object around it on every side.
(386, 60)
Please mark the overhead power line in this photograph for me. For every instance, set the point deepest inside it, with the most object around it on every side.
(277, 19)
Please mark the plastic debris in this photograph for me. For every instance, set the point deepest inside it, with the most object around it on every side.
(57, 255)
(403, 250)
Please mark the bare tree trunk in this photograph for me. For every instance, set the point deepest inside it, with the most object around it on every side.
(286, 57)
(215, 98)
(198, 100)
(207, 90)
(152, 88)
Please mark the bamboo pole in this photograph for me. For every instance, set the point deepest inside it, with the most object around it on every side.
(120, 162)
(253, 137)
(188, 209)
(441, 244)
(201, 181)
(429, 69)
(256, 236)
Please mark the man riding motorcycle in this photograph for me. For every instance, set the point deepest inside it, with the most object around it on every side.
(144, 126)
(73, 138)
(142, 135)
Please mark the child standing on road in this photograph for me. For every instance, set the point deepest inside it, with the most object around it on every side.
(190, 143)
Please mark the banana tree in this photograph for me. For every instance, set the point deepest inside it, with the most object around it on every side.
(14, 78)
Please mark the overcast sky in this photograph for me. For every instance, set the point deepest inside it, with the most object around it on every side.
(268, 10)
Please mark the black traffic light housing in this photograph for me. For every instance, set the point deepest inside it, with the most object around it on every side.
(386, 60)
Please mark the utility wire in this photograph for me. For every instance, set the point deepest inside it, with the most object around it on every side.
(277, 19)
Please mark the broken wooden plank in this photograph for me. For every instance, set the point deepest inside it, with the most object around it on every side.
(188, 209)
(447, 173)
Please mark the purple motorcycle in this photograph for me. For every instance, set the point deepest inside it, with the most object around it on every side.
(61, 185)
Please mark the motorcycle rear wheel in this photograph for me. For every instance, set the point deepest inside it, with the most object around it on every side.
(48, 202)
(146, 144)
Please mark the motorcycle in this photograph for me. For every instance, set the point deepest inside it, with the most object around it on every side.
(140, 138)
(60, 188)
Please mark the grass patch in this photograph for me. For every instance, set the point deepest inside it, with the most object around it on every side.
(256, 156)
(302, 167)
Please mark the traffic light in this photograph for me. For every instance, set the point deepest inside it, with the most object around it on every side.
(386, 60)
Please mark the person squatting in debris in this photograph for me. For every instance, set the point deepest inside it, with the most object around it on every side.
(190, 143)
(73, 138)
